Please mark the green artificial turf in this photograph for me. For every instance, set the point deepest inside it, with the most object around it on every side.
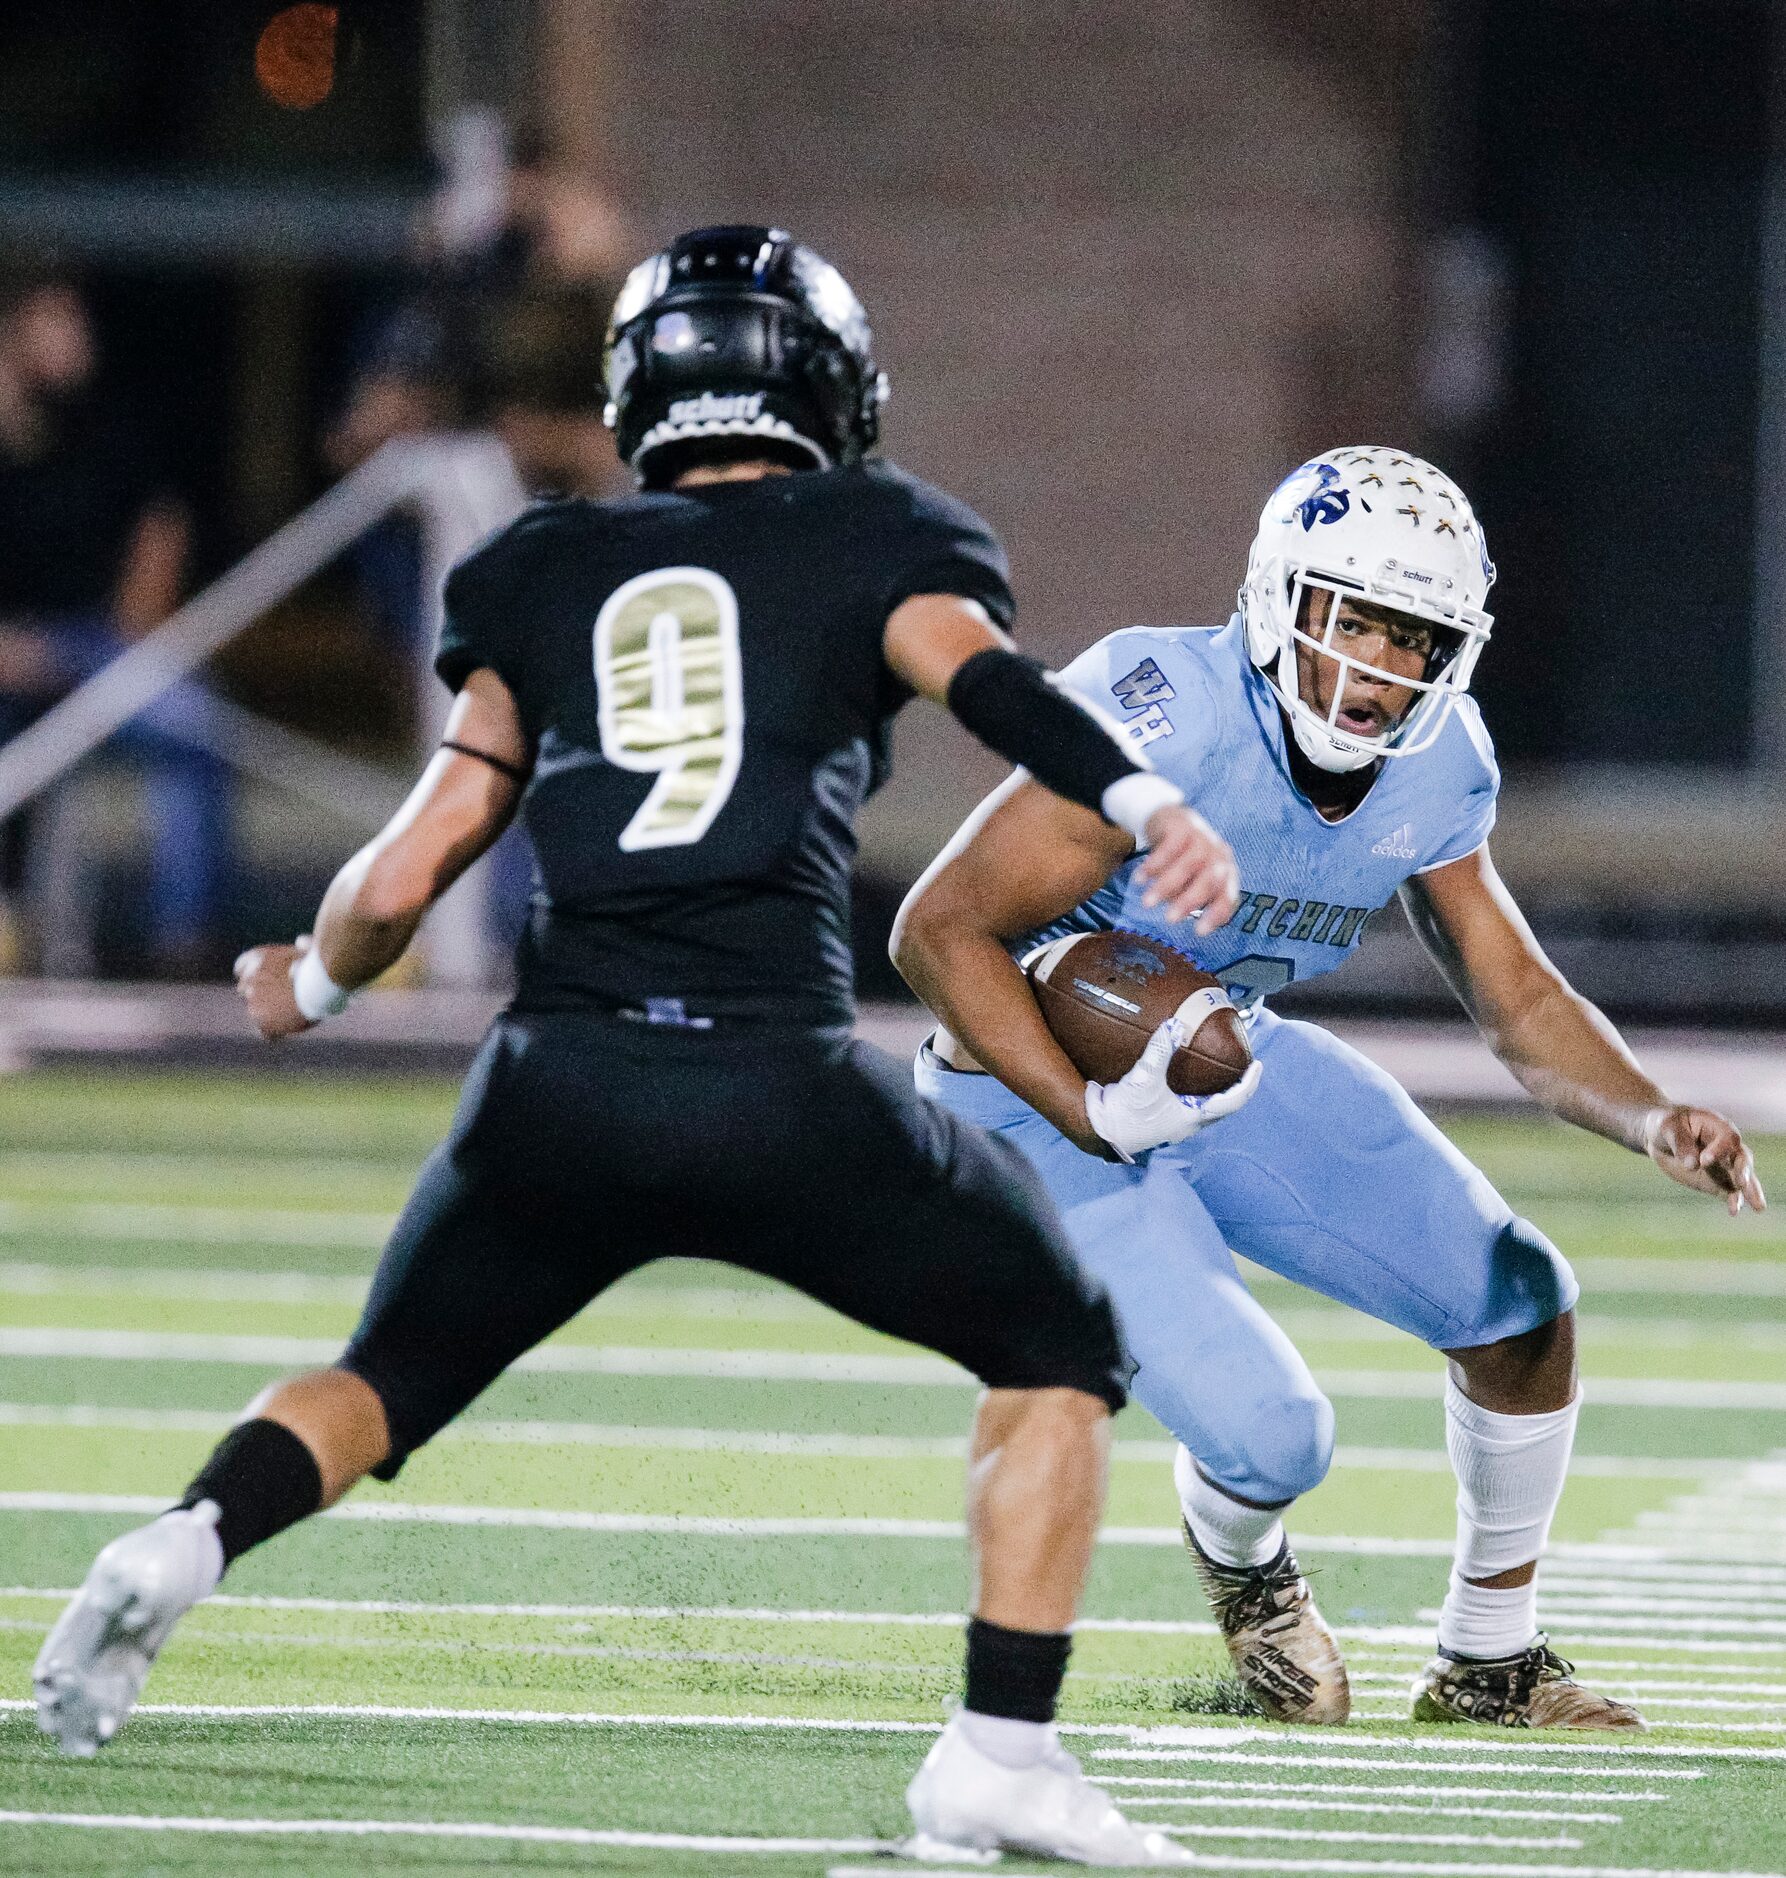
(143, 1207)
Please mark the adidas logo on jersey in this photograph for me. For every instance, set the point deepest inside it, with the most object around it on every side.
(713, 407)
(1396, 845)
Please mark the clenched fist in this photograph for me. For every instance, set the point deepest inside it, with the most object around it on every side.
(263, 982)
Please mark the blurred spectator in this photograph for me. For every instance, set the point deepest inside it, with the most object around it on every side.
(518, 261)
(95, 546)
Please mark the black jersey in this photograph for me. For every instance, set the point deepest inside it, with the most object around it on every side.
(701, 677)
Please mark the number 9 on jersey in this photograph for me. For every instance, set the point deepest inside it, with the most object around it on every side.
(670, 698)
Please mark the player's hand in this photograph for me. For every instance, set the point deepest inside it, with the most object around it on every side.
(1704, 1151)
(263, 983)
(1189, 869)
(1141, 1112)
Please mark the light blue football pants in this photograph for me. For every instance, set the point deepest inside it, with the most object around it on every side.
(1329, 1176)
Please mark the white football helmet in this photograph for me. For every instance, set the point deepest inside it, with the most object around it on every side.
(1375, 525)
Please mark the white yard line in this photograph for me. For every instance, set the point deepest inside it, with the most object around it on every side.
(570, 1358)
(209, 1225)
(1685, 1277)
(1620, 1685)
(753, 1441)
(1338, 1744)
(1426, 1790)
(550, 1519)
(437, 1829)
(1308, 1835)
(1247, 1803)
(725, 1843)
(218, 1284)
(1236, 1754)
(1356, 1868)
(808, 1366)
(1391, 1763)
(539, 1433)
(182, 1284)
(1413, 1639)
(1349, 1868)
(402, 1512)
(1608, 1597)
(550, 1434)
(841, 1526)
(1560, 1612)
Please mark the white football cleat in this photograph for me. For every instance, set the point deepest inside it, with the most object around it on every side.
(91, 1668)
(967, 1806)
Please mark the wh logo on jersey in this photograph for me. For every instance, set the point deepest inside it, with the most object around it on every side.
(1145, 685)
(713, 407)
(1397, 845)
(1146, 689)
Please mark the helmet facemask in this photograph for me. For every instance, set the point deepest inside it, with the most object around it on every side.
(1320, 735)
(1381, 529)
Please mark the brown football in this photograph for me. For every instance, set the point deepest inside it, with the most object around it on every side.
(1104, 994)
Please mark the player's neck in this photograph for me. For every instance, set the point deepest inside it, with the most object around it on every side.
(750, 470)
(1334, 794)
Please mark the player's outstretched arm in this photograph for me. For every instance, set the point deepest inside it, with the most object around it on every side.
(1563, 1049)
(459, 806)
(947, 649)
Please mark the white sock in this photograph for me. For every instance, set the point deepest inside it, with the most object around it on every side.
(1228, 1531)
(1001, 1738)
(1510, 1474)
(1480, 1622)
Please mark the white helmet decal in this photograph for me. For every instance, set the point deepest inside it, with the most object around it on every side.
(1379, 526)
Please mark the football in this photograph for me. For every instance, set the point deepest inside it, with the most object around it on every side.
(1104, 994)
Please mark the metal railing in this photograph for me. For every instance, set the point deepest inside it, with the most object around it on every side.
(460, 488)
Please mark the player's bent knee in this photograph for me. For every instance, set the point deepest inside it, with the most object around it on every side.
(1526, 1283)
(1290, 1449)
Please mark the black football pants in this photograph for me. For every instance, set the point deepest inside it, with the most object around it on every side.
(585, 1146)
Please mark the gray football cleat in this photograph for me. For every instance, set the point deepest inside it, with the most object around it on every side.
(968, 1808)
(1534, 1689)
(1286, 1657)
(90, 1670)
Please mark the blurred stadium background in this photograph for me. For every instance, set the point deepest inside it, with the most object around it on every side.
(295, 303)
(1127, 263)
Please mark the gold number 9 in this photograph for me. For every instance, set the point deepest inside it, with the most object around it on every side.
(670, 700)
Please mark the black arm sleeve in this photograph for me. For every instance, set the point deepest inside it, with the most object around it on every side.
(1009, 703)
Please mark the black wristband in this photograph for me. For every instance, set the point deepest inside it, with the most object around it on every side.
(1009, 703)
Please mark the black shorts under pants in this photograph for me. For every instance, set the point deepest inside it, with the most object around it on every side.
(585, 1146)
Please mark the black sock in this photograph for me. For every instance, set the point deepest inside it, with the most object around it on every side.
(1015, 1673)
(262, 1479)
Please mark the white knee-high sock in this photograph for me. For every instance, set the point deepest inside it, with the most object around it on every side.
(1228, 1531)
(1510, 1474)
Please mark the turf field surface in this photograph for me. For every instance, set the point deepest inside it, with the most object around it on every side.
(682, 1593)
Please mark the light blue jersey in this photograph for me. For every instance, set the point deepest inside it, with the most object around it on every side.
(1193, 700)
(1330, 1175)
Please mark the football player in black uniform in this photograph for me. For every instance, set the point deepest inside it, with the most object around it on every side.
(688, 693)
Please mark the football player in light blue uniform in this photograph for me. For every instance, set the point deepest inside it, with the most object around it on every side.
(1326, 731)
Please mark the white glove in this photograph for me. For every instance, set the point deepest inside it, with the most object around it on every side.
(1141, 1112)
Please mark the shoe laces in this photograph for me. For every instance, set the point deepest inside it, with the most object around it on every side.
(1261, 1593)
(1536, 1666)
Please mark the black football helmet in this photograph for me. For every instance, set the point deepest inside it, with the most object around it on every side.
(740, 332)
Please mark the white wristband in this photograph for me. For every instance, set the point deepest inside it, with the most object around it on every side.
(317, 994)
(1652, 1129)
(1132, 802)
